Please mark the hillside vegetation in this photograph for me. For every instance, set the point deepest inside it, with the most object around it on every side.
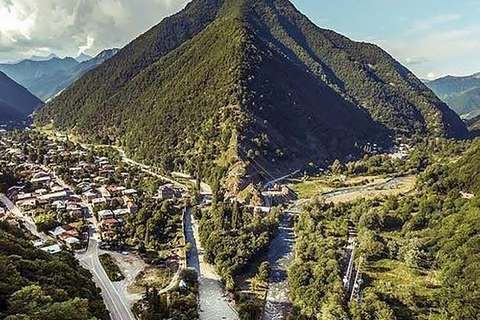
(250, 87)
(421, 250)
(36, 285)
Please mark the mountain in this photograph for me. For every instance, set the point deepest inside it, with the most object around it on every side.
(43, 58)
(47, 78)
(82, 57)
(252, 87)
(462, 94)
(16, 102)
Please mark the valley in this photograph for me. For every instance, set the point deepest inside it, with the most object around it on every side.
(235, 161)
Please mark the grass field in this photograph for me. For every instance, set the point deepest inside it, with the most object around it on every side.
(355, 187)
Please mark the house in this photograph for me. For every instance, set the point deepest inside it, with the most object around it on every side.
(38, 243)
(41, 180)
(166, 192)
(120, 212)
(130, 204)
(27, 204)
(57, 232)
(72, 242)
(98, 202)
(90, 195)
(128, 192)
(104, 192)
(54, 249)
(105, 214)
(59, 195)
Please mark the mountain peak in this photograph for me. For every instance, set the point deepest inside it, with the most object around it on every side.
(267, 87)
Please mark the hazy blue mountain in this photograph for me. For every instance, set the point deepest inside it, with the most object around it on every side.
(42, 58)
(82, 57)
(462, 94)
(47, 78)
(16, 102)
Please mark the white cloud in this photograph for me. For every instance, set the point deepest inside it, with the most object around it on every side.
(66, 27)
(434, 21)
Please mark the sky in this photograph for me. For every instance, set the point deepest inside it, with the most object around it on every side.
(433, 38)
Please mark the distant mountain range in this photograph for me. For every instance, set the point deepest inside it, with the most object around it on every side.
(16, 102)
(462, 94)
(45, 78)
(251, 88)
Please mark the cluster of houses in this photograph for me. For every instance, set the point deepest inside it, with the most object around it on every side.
(71, 185)
(43, 194)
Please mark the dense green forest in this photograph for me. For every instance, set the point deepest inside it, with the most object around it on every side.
(232, 236)
(421, 250)
(250, 86)
(36, 285)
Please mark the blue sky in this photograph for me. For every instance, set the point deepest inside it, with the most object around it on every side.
(431, 37)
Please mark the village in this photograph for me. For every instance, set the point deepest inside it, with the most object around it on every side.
(62, 188)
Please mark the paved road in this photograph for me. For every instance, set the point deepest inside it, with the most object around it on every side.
(213, 302)
(280, 255)
(27, 221)
(115, 302)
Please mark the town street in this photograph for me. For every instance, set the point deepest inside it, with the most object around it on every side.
(214, 303)
(27, 221)
(117, 305)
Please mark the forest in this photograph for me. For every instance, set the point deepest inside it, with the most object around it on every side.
(37, 286)
(421, 250)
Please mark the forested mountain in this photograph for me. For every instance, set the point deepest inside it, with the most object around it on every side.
(36, 285)
(462, 94)
(46, 78)
(251, 86)
(16, 103)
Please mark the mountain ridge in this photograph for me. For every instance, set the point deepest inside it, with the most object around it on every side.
(46, 78)
(461, 93)
(239, 94)
(16, 102)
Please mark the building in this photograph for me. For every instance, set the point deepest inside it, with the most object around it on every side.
(105, 214)
(54, 249)
(166, 192)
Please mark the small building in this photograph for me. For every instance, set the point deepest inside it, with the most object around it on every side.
(38, 243)
(166, 192)
(57, 232)
(54, 249)
(105, 214)
(97, 202)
